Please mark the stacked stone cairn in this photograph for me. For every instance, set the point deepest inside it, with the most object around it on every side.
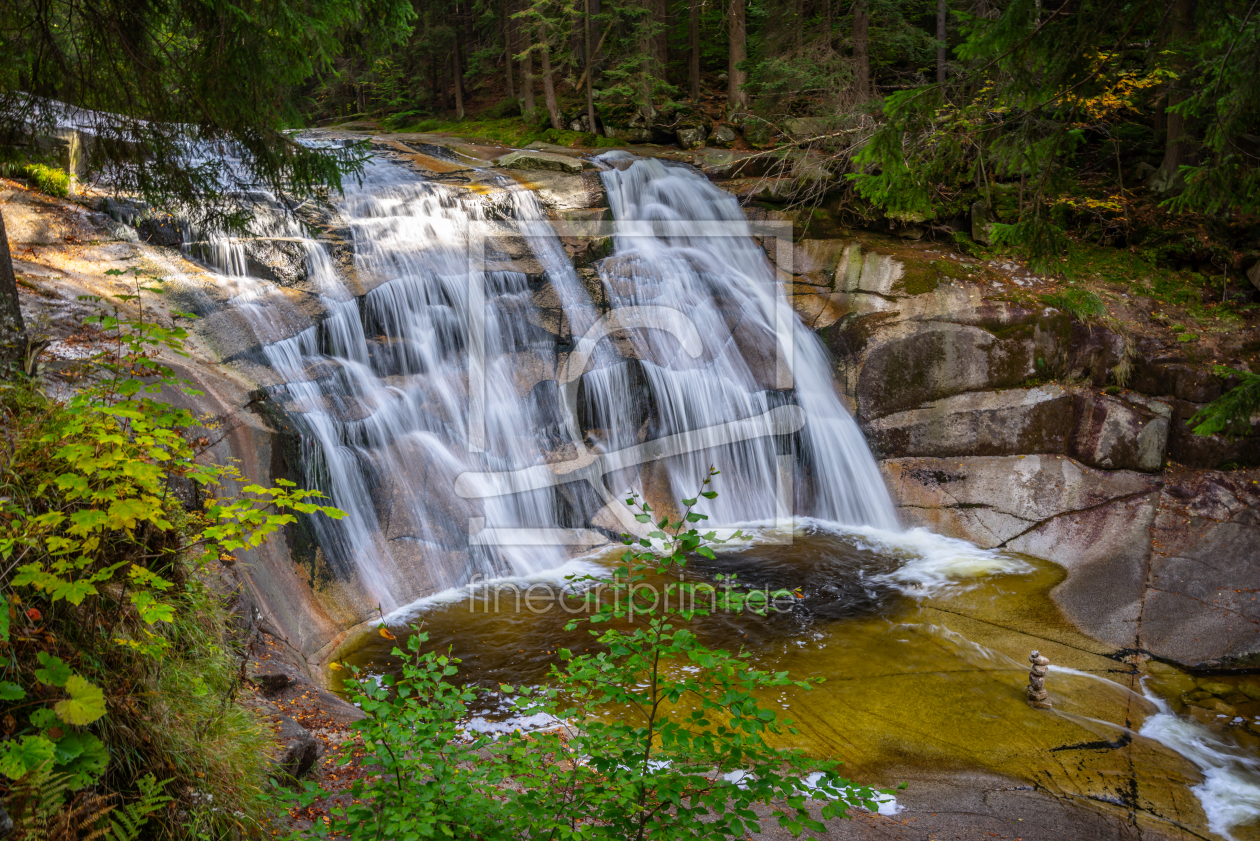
(1037, 696)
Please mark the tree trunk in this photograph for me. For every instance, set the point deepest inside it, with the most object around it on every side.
(827, 24)
(457, 72)
(12, 328)
(941, 12)
(736, 98)
(660, 40)
(549, 85)
(693, 47)
(1179, 147)
(527, 75)
(798, 23)
(444, 84)
(862, 49)
(589, 52)
(598, 55)
(507, 49)
(648, 58)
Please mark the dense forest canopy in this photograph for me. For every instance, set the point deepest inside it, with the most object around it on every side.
(1101, 119)
(954, 91)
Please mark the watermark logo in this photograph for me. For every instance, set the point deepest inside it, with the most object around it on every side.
(591, 465)
(628, 599)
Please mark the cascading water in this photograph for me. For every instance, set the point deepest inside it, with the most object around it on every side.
(379, 390)
(667, 256)
(703, 361)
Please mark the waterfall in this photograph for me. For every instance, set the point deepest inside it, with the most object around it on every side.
(666, 256)
(464, 438)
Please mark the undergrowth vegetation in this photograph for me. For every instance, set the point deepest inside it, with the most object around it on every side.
(656, 734)
(42, 176)
(117, 664)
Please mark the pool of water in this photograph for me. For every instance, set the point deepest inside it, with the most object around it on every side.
(921, 645)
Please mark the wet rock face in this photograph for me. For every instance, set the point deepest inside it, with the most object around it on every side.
(1115, 434)
(1163, 565)
(278, 261)
(979, 424)
(914, 364)
(950, 388)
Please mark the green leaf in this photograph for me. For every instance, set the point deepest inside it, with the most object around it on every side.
(85, 704)
(73, 591)
(18, 757)
(10, 691)
(55, 672)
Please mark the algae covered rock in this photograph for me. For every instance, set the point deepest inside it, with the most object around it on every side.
(981, 219)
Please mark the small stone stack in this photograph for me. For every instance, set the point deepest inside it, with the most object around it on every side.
(1037, 696)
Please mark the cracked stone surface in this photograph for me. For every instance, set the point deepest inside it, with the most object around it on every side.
(1161, 563)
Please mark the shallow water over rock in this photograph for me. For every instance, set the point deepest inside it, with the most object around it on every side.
(921, 647)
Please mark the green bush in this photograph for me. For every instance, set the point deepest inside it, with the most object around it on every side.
(49, 179)
(661, 736)
(116, 660)
(45, 178)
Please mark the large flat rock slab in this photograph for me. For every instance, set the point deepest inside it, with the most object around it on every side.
(1096, 429)
(532, 160)
(1036, 420)
(1165, 564)
(974, 806)
(991, 500)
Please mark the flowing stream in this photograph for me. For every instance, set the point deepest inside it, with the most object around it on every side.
(478, 413)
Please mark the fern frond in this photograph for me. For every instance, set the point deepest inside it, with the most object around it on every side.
(131, 818)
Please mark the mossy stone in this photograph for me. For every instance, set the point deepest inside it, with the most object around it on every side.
(1216, 687)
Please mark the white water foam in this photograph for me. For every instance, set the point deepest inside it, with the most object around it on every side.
(556, 578)
(1230, 791)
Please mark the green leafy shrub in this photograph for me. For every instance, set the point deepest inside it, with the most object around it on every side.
(47, 179)
(660, 736)
(115, 657)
